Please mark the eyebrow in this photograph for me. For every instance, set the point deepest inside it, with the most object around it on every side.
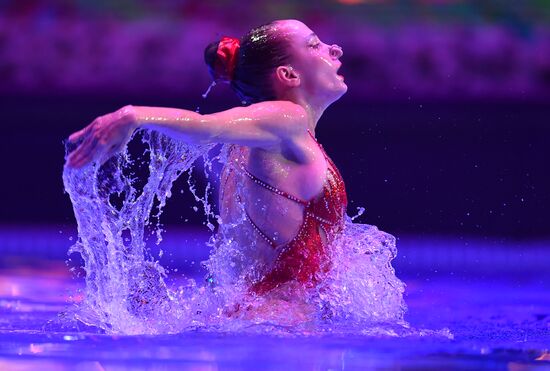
(312, 36)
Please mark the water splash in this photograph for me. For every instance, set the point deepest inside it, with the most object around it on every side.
(205, 95)
(118, 205)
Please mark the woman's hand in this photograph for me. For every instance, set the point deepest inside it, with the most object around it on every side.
(103, 138)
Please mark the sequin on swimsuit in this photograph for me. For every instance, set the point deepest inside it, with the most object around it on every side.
(305, 258)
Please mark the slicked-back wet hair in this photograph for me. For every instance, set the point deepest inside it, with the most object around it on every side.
(261, 51)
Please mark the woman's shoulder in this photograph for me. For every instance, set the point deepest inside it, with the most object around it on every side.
(283, 108)
(285, 116)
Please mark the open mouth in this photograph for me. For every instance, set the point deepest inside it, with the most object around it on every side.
(341, 77)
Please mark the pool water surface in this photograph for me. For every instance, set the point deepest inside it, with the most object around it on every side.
(499, 318)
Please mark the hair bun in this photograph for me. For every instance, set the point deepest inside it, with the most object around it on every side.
(221, 58)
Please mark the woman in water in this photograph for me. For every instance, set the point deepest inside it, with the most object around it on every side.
(281, 193)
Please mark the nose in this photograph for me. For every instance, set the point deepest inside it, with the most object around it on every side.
(336, 51)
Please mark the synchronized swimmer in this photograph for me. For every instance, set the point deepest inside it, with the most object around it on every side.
(288, 76)
(285, 250)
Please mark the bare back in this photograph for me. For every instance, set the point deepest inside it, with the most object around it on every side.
(297, 167)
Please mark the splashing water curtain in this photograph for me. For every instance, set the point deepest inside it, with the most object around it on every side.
(125, 287)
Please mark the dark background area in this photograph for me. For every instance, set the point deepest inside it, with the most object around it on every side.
(466, 155)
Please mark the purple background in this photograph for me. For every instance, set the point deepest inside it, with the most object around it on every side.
(444, 128)
(442, 137)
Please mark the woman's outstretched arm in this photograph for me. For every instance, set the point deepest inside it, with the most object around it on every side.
(264, 125)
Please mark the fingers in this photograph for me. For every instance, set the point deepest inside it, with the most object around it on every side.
(99, 140)
(84, 154)
(79, 135)
(75, 137)
(90, 150)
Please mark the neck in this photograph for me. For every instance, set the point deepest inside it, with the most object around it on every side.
(314, 114)
(314, 110)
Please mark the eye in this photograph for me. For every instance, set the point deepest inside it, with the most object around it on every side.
(315, 45)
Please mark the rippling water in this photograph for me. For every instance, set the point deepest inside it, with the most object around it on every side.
(499, 322)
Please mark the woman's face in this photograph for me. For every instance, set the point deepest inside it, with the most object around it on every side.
(315, 62)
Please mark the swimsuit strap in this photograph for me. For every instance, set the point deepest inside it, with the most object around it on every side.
(260, 232)
(307, 211)
(256, 228)
(273, 189)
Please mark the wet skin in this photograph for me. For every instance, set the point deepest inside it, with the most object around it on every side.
(270, 138)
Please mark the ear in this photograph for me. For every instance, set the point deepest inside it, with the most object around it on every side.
(287, 76)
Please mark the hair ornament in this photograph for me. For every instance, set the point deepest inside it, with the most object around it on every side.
(227, 53)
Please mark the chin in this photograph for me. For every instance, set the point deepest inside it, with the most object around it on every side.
(344, 88)
(329, 93)
(339, 90)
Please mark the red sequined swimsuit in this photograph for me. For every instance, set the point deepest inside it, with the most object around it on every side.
(306, 256)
